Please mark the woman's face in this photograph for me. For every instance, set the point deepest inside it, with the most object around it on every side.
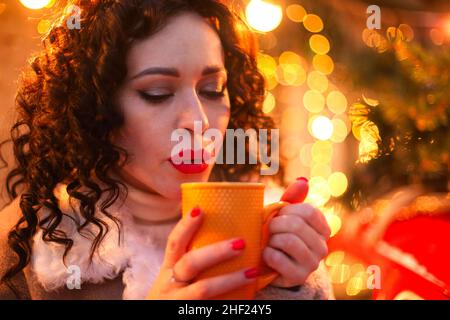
(175, 77)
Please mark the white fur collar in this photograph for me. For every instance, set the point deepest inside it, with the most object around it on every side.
(139, 254)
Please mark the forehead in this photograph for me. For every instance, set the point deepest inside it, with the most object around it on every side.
(187, 43)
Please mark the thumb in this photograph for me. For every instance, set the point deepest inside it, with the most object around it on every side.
(296, 192)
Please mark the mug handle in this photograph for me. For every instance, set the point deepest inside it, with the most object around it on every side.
(267, 275)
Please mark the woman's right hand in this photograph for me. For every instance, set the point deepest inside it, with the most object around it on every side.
(185, 266)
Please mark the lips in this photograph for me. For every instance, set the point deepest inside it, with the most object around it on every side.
(195, 161)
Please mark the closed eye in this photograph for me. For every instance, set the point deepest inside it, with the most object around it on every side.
(214, 94)
(155, 99)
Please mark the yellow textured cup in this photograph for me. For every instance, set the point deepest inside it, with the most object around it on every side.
(233, 209)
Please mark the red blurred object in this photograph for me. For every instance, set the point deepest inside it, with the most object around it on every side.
(426, 239)
(412, 250)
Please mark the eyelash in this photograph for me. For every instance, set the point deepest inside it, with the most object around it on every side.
(155, 99)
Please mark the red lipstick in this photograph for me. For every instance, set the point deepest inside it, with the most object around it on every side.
(194, 162)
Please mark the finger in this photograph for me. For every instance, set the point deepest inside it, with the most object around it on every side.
(311, 215)
(294, 273)
(295, 249)
(214, 286)
(195, 261)
(181, 236)
(296, 192)
(296, 225)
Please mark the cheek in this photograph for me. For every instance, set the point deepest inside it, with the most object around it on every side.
(219, 119)
(141, 125)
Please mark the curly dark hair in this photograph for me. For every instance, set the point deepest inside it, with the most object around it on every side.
(67, 115)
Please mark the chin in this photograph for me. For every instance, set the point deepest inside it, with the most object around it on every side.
(173, 189)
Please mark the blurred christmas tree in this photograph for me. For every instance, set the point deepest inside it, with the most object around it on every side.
(403, 131)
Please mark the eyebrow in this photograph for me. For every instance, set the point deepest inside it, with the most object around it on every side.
(172, 72)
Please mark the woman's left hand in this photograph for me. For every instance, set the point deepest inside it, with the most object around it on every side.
(297, 243)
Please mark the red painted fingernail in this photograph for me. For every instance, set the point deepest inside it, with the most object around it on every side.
(251, 273)
(238, 244)
(195, 212)
(302, 178)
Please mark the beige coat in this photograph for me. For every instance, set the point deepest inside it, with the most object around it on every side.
(26, 284)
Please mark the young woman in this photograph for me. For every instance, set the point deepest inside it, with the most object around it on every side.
(95, 195)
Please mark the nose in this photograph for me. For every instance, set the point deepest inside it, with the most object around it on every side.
(192, 113)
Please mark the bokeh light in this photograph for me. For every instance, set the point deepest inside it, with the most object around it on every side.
(337, 183)
(290, 57)
(323, 63)
(43, 26)
(313, 101)
(334, 220)
(318, 194)
(263, 16)
(269, 103)
(36, 4)
(290, 74)
(322, 152)
(371, 38)
(337, 102)
(355, 285)
(317, 81)
(394, 34)
(320, 170)
(296, 12)
(319, 44)
(407, 31)
(437, 36)
(334, 258)
(268, 66)
(313, 23)
(339, 273)
(322, 128)
(340, 130)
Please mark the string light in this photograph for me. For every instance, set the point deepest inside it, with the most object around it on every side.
(340, 130)
(313, 101)
(263, 16)
(313, 23)
(334, 221)
(269, 103)
(319, 44)
(337, 102)
(437, 36)
(323, 63)
(322, 128)
(43, 26)
(317, 81)
(337, 183)
(37, 4)
(296, 12)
